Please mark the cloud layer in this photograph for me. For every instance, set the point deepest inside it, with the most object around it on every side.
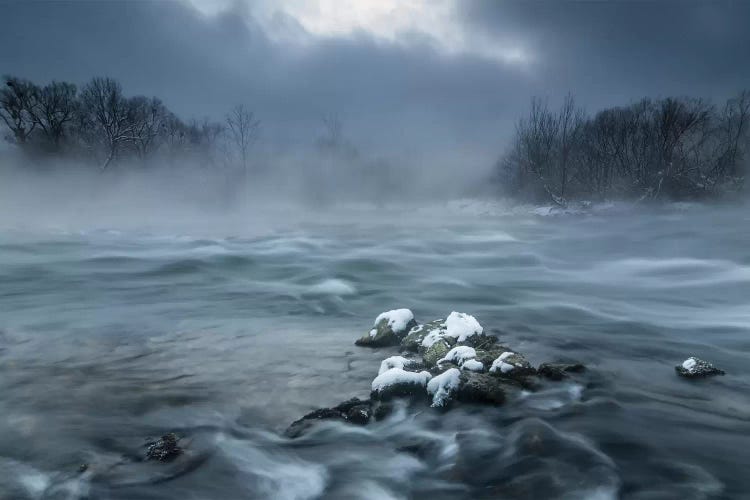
(431, 83)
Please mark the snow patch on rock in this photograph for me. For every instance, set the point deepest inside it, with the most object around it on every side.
(399, 376)
(472, 365)
(396, 362)
(501, 365)
(397, 319)
(443, 386)
(459, 355)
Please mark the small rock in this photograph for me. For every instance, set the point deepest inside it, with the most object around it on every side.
(512, 365)
(559, 371)
(359, 415)
(389, 328)
(355, 411)
(164, 449)
(397, 382)
(697, 368)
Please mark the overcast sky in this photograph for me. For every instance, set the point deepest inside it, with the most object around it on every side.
(428, 80)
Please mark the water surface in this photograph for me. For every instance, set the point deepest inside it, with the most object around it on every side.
(109, 336)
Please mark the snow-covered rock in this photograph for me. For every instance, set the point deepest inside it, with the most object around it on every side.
(511, 364)
(443, 386)
(462, 326)
(399, 382)
(388, 329)
(458, 355)
(697, 368)
(472, 365)
(397, 362)
(456, 328)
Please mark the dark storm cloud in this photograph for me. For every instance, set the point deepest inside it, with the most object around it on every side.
(607, 51)
(402, 99)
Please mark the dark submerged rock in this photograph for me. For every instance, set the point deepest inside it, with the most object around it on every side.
(354, 411)
(697, 368)
(559, 371)
(164, 449)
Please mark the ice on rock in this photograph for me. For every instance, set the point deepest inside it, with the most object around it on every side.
(396, 362)
(443, 386)
(396, 376)
(459, 355)
(472, 365)
(398, 319)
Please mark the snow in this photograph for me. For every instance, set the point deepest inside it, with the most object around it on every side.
(459, 355)
(458, 325)
(472, 365)
(399, 376)
(501, 365)
(690, 364)
(462, 326)
(373, 332)
(441, 387)
(396, 362)
(397, 319)
(433, 336)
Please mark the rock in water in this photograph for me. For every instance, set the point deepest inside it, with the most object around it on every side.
(397, 382)
(413, 340)
(559, 371)
(482, 389)
(355, 411)
(389, 328)
(164, 449)
(511, 365)
(697, 368)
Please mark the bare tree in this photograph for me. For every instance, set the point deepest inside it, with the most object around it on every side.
(56, 107)
(108, 114)
(333, 136)
(17, 101)
(147, 118)
(569, 126)
(243, 130)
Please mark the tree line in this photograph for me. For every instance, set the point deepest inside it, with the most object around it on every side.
(672, 148)
(98, 124)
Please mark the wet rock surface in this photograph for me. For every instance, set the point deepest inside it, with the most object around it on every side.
(354, 411)
(559, 371)
(164, 449)
(697, 368)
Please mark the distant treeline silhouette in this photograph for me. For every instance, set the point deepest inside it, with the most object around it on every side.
(100, 125)
(673, 148)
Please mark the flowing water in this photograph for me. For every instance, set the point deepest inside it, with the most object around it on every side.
(225, 337)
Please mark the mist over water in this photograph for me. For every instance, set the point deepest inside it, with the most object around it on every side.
(225, 325)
